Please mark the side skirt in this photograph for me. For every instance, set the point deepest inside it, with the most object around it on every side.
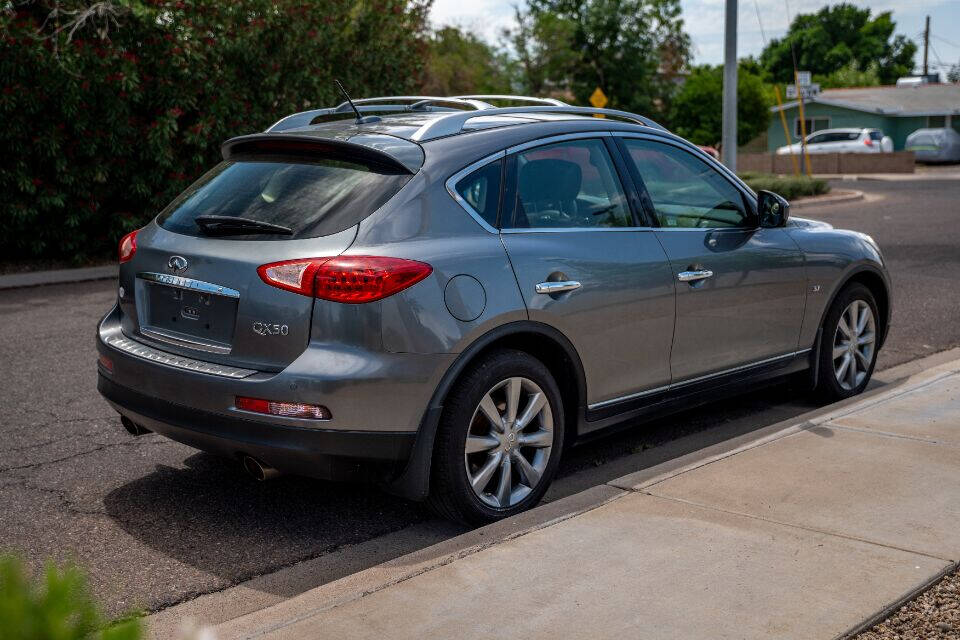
(688, 395)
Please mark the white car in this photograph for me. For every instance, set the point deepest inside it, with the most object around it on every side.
(843, 141)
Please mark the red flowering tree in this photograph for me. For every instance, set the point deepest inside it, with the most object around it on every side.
(110, 109)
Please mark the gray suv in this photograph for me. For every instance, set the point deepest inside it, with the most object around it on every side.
(440, 295)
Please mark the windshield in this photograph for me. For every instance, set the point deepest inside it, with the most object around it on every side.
(310, 197)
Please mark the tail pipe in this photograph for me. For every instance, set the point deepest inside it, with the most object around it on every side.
(259, 471)
(132, 427)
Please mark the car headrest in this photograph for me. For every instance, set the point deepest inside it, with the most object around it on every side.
(549, 179)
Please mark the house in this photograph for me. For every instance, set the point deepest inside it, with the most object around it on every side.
(897, 111)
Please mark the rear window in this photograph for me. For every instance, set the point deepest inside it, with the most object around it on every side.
(876, 135)
(312, 197)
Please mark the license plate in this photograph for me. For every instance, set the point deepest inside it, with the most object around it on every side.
(198, 314)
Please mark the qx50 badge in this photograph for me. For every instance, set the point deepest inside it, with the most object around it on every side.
(177, 264)
(270, 329)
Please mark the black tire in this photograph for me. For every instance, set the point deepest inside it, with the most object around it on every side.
(829, 388)
(451, 494)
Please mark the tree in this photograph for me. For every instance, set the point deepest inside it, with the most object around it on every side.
(953, 75)
(851, 76)
(109, 109)
(834, 37)
(631, 49)
(461, 63)
(697, 109)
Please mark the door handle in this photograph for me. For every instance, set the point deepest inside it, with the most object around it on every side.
(693, 276)
(557, 287)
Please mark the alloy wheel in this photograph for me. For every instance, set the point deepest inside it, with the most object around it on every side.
(509, 442)
(853, 344)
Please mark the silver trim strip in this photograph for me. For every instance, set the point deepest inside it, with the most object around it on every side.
(188, 283)
(683, 383)
(163, 336)
(563, 137)
(142, 351)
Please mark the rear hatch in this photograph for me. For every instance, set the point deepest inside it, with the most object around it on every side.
(193, 281)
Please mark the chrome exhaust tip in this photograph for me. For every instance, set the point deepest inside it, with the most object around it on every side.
(259, 471)
(132, 427)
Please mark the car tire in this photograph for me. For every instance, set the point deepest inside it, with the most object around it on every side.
(508, 382)
(848, 354)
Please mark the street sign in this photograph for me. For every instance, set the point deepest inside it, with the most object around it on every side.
(808, 92)
(803, 78)
(598, 98)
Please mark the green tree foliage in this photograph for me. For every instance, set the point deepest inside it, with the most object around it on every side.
(697, 108)
(851, 76)
(461, 63)
(829, 40)
(56, 606)
(111, 109)
(631, 49)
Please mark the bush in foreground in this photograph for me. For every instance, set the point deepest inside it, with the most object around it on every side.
(789, 187)
(54, 606)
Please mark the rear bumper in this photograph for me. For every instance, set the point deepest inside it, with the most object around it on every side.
(319, 453)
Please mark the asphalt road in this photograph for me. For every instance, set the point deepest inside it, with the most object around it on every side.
(156, 523)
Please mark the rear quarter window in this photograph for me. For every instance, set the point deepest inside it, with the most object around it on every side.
(311, 196)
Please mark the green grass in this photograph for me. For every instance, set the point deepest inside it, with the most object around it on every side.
(790, 187)
(53, 606)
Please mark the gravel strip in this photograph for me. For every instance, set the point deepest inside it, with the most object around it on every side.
(935, 613)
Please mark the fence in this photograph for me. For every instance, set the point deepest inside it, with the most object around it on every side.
(830, 163)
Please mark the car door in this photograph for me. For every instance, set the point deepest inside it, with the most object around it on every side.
(818, 143)
(741, 289)
(584, 265)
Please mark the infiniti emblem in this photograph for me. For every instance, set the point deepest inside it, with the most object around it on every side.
(177, 264)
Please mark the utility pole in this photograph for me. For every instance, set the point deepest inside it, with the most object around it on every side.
(728, 140)
(926, 46)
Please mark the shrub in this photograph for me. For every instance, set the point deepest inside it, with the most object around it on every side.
(789, 187)
(110, 111)
(56, 607)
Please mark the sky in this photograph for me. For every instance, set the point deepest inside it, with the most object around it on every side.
(703, 20)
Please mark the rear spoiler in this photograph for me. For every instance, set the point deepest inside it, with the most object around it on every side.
(374, 148)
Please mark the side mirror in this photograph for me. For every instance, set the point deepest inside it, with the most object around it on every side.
(773, 209)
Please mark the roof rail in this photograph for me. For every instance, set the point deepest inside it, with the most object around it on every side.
(419, 103)
(550, 101)
(452, 123)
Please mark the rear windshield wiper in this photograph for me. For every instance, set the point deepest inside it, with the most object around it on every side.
(227, 225)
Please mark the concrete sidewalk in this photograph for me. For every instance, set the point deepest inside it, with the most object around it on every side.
(815, 530)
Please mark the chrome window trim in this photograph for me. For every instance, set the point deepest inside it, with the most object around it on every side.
(188, 283)
(689, 381)
(144, 352)
(563, 137)
(575, 229)
(451, 185)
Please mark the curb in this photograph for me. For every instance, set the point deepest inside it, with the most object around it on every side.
(846, 196)
(393, 572)
(57, 276)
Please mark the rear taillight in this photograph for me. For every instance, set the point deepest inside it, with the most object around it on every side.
(128, 246)
(868, 142)
(286, 409)
(350, 279)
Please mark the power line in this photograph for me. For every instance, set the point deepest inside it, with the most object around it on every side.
(944, 40)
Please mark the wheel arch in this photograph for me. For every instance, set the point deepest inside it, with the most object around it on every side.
(873, 279)
(541, 341)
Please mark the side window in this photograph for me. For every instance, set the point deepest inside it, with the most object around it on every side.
(823, 137)
(481, 190)
(686, 192)
(569, 184)
(876, 135)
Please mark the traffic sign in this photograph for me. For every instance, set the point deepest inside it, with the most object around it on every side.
(808, 92)
(598, 98)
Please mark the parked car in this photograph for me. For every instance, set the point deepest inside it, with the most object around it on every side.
(443, 297)
(843, 141)
(934, 145)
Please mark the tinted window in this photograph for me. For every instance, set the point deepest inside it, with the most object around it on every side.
(481, 190)
(823, 137)
(313, 197)
(569, 184)
(876, 135)
(686, 192)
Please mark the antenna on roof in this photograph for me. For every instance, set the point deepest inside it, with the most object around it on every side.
(360, 118)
